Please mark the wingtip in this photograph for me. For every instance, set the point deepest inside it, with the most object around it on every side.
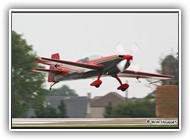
(171, 76)
(37, 59)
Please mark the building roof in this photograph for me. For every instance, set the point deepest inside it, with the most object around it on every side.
(112, 97)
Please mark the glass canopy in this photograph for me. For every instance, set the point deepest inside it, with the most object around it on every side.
(90, 57)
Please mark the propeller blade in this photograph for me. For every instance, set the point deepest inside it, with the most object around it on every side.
(135, 66)
(134, 48)
(120, 49)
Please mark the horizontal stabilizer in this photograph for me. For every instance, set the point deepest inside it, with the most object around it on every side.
(47, 70)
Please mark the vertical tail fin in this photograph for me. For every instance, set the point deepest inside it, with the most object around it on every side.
(51, 75)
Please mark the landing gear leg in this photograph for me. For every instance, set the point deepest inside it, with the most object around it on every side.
(52, 85)
(97, 83)
(122, 87)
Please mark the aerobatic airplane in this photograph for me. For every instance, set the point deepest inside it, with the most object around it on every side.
(93, 66)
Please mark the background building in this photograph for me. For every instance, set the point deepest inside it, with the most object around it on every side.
(76, 106)
(98, 104)
(167, 101)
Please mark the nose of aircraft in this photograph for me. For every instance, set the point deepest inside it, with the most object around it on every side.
(127, 57)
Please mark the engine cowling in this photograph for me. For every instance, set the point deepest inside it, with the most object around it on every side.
(128, 57)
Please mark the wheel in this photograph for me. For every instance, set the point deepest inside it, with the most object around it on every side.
(123, 89)
(97, 86)
(96, 83)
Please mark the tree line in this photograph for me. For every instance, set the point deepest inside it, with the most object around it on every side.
(27, 88)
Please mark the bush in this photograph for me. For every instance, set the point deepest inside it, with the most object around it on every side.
(134, 109)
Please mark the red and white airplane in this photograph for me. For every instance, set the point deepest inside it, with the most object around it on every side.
(93, 66)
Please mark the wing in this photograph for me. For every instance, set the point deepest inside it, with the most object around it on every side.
(139, 74)
(69, 65)
(47, 70)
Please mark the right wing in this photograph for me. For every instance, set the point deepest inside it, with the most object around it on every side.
(146, 75)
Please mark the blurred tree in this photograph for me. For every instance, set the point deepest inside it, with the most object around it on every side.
(26, 87)
(46, 112)
(108, 110)
(134, 109)
(170, 66)
(62, 110)
(62, 91)
(49, 112)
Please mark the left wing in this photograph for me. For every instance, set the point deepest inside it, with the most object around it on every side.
(69, 65)
(48, 70)
(139, 74)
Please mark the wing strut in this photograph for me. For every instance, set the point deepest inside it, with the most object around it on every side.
(138, 79)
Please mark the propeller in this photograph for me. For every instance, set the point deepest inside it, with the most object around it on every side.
(132, 51)
(120, 49)
(135, 66)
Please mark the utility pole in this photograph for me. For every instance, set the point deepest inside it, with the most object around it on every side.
(88, 115)
(126, 92)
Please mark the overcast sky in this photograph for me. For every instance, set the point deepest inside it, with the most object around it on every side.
(75, 35)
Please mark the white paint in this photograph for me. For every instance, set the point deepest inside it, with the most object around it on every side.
(121, 65)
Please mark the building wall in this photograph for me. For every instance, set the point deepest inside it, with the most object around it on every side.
(97, 112)
(167, 101)
(76, 106)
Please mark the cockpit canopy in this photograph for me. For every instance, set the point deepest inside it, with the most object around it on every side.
(90, 57)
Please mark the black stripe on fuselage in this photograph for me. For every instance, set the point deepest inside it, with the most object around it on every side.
(109, 64)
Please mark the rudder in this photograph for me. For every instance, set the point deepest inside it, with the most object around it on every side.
(52, 67)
